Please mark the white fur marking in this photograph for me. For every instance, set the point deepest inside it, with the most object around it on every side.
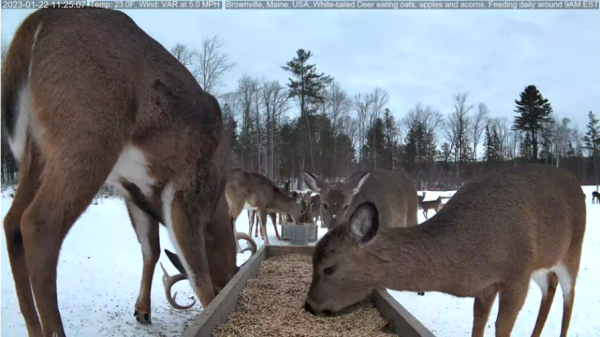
(19, 138)
(564, 279)
(167, 203)
(541, 278)
(141, 223)
(23, 108)
(131, 165)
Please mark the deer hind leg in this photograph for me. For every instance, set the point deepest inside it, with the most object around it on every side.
(481, 310)
(567, 276)
(71, 179)
(235, 209)
(146, 229)
(512, 298)
(275, 226)
(547, 281)
(29, 178)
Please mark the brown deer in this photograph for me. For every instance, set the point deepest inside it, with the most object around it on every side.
(313, 209)
(261, 193)
(272, 215)
(492, 237)
(392, 191)
(87, 98)
(435, 205)
(595, 197)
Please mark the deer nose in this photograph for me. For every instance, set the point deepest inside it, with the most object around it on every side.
(334, 216)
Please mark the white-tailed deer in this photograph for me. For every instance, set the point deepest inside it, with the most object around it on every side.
(595, 197)
(491, 238)
(87, 98)
(435, 205)
(421, 198)
(261, 193)
(392, 191)
(272, 215)
(313, 209)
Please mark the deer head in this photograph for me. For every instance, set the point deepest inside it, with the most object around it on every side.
(335, 197)
(342, 275)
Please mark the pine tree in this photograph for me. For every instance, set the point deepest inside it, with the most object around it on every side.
(308, 87)
(532, 111)
(591, 140)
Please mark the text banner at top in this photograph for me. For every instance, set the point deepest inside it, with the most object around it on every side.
(293, 5)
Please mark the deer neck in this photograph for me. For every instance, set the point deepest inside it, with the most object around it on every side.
(282, 203)
(420, 258)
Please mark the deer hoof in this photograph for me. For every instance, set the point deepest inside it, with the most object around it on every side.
(421, 294)
(142, 318)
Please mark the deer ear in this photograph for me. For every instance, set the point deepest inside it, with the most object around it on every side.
(361, 183)
(312, 181)
(364, 223)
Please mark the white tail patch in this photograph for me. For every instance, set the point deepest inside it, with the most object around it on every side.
(23, 109)
(564, 279)
(21, 129)
(167, 203)
(131, 165)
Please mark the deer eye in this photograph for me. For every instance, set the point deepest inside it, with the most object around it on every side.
(345, 207)
(328, 271)
(325, 206)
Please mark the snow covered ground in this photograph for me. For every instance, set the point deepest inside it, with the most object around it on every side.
(101, 263)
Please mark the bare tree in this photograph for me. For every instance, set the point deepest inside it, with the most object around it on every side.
(478, 126)
(212, 64)
(379, 98)
(276, 103)
(183, 54)
(456, 130)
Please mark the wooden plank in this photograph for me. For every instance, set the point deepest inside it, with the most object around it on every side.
(226, 300)
(405, 324)
(284, 250)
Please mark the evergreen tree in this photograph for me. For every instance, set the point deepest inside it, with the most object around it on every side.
(532, 111)
(307, 86)
(591, 140)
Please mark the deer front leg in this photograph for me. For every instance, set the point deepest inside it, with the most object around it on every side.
(481, 310)
(275, 226)
(146, 229)
(512, 298)
(263, 225)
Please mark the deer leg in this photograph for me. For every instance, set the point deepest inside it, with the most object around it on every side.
(263, 225)
(512, 298)
(275, 226)
(70, 181)
(256, 228)
(146, 229)
(234, 212)
(567, 277)
(481, 310)
(548, 285)
(29, 177)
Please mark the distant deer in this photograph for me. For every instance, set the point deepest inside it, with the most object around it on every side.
(435, 205)
(392, 191)
(595, 197)
(89, 98)
(491, 238)
(261, 193)
(272, 215)
(313, 209)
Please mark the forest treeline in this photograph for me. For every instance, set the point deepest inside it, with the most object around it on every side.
(312, 123)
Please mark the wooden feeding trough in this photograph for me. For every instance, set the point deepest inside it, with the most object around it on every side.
(400, 320)
(299, 235)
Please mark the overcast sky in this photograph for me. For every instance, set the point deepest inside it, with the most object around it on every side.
(417, 56)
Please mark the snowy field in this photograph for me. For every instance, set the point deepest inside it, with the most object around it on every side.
(100, 267)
